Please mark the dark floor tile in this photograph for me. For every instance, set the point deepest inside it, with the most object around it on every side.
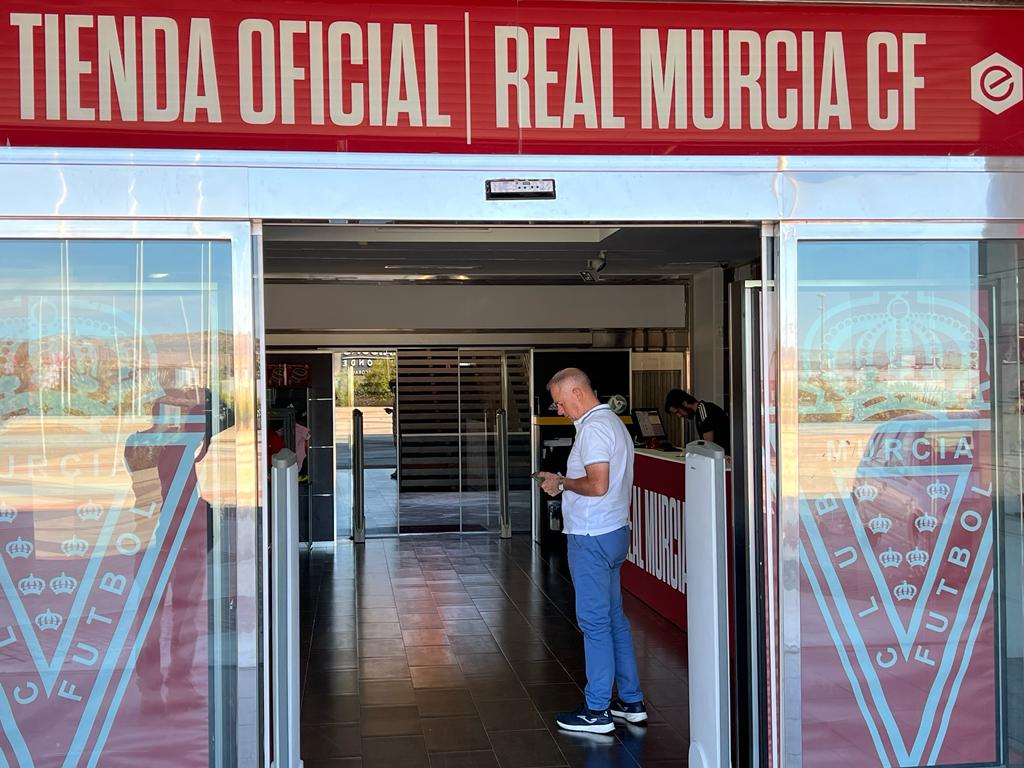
(455, 734)
(482, 759)
(495, 689)
(466, 627)
(413, 593)
(558, 697)
(453, 598)
(377, 601)
(509, 716)
(486, 591)
(437, 677)
(666, 693)
(329, 741)
(440, 703)
(383, 669)
(390, 721)
(395, 752)
(526, 749)
(655, 742)
(485, 664)
(549, 671)
(425, 637)
(332, 658)
(373, 693)
(331, 683)
(381, 647)
(430, 655)
(588, 750)
(330, 709)
(345, 639)
(333, 762)
(421, 621)
(453, 612)
(531, 650)
(677, 717)
(373, 630)
(464, 644)
(378, 615)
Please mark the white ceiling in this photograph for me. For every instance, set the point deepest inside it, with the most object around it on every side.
(520, 254)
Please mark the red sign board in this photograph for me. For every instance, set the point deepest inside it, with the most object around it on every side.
(655, 567)
(498, 76)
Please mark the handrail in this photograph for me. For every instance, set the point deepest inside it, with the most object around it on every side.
(358, 479)
(501, 460)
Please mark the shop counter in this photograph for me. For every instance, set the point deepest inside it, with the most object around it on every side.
(655, 569)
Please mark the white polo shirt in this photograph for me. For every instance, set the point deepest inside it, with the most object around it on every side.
(601, 438)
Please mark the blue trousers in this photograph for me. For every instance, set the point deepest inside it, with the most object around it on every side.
(594, 562)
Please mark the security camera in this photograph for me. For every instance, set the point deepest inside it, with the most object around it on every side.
(592, 272)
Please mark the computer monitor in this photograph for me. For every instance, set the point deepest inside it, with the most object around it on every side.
(648, 423)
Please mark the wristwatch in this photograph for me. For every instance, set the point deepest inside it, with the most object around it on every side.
(561, 484)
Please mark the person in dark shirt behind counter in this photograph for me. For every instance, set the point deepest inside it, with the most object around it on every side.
(711, 421)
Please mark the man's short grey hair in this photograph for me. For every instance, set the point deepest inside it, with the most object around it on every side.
(571, 376)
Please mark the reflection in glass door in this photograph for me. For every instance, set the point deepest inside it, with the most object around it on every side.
(127, 496)
(900, 500)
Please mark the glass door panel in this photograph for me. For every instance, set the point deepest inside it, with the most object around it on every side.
(128, 628)
(429, 446)
(900, 429)
(481, 375)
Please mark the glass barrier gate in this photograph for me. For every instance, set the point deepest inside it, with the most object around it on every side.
(128, 495)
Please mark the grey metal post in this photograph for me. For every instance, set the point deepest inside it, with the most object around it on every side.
(284, 590)
(501, 459)
(358, 490)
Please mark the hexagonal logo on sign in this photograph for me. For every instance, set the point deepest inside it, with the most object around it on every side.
(997, 83)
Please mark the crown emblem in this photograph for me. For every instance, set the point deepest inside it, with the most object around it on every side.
(865, 492)
(20, 548)
(49, 620)
(63, 584)
(90, 511)
(74, 547)
(917, 558)
(905, 591)
(939, 490)
(880, 524)
(31, 585)
(890, 558)
(926, 523)
(7, 512)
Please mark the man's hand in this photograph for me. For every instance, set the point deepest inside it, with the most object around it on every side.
(549, 483)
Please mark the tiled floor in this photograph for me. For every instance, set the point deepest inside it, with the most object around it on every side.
(458, 652)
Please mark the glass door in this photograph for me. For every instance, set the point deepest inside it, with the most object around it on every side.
(128, 498)
(900, 465)
(491, 381)
(448, 404)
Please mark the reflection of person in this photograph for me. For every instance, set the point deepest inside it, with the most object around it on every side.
(153, 468)
(595, 507)
(712, 422)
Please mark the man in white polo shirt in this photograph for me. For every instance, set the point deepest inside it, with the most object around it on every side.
(596, 493)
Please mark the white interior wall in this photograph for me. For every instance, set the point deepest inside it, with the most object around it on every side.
(403, 306)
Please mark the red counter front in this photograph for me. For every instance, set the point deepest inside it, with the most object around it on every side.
(655, 570)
